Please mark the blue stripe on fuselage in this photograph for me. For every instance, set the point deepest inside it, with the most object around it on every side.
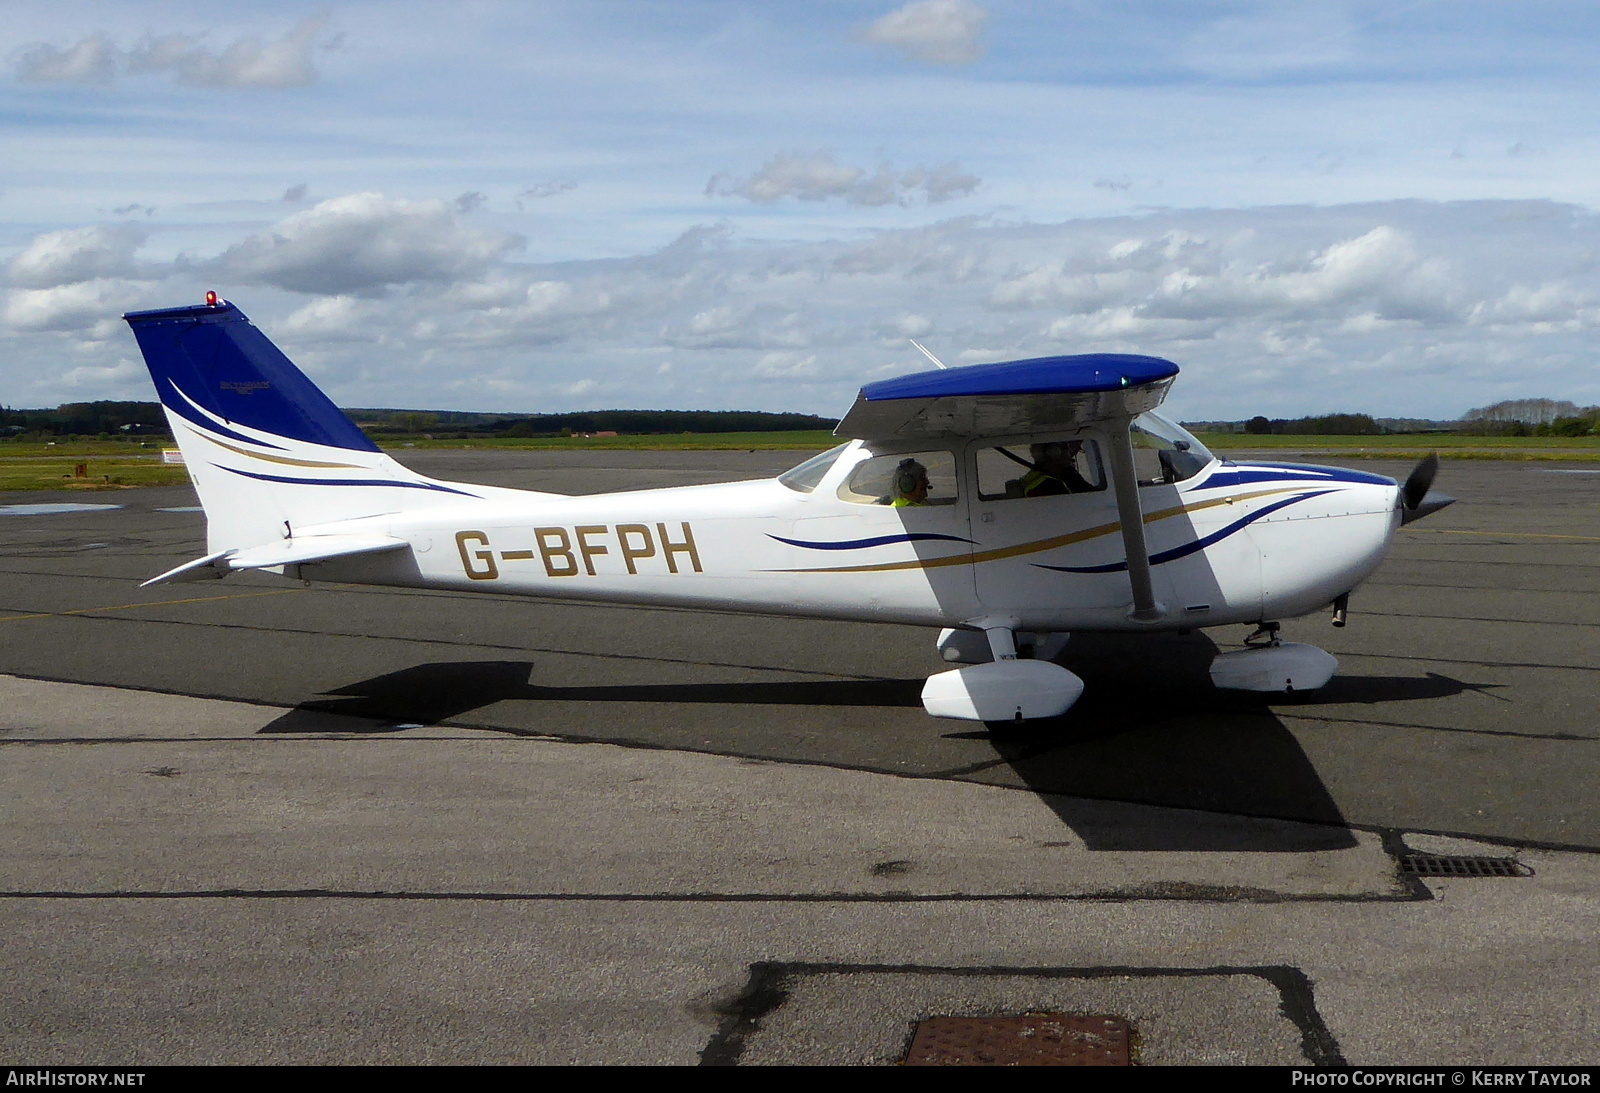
(1241, 474)
(1198, 545)
(881, 540)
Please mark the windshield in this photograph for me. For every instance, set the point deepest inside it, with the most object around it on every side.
(1164, 452)
(804, 478)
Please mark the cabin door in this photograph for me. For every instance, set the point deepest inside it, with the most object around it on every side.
(1036, 505)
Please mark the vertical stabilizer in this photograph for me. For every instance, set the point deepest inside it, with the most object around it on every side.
(269, 453)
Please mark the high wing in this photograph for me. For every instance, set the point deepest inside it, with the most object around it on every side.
(1107, 390)
(1034, 395)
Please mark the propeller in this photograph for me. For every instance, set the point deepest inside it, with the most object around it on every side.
(1417, 497)
(1420, 480)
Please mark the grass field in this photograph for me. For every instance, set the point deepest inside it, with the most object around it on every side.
(1449, 446)
(59, 472)
(750, 442)
(110, 464)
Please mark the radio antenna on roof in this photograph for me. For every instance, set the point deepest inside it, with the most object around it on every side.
(924, 351)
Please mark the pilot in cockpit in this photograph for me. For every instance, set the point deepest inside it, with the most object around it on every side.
(910, 485)
(1055, 470)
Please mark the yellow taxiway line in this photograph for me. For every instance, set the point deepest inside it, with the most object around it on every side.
(1506, 534)
(152, 603)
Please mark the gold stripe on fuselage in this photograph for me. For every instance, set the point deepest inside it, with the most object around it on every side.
(1038, 545)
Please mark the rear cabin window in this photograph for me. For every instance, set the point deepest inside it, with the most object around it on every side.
(905, 480)
(1048, 469)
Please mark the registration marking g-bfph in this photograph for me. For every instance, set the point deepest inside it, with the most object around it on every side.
(568, 551)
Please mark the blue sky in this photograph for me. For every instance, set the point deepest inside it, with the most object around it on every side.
(547, 206)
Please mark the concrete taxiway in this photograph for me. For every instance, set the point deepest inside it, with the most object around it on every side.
(251, 821)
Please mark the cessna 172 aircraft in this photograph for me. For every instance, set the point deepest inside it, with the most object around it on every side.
(1008, 505)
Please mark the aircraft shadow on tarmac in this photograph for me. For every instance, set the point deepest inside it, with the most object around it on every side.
(1150, 730)
(430, 693)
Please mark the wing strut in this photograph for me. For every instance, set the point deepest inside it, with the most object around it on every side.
(1125, 480)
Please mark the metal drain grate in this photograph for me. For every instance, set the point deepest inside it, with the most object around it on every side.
(1034, 1039)
(1439, 865)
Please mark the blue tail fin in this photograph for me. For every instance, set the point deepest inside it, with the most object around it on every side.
(211, 356)
(269, 454)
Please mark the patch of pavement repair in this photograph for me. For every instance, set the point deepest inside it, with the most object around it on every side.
(820, 1015)
(118, 792)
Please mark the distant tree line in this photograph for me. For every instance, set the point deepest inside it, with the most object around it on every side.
(1326, 425)
(626, 422)
(1532, 417)
(110, 420)
(85, 419)
(1513, 417)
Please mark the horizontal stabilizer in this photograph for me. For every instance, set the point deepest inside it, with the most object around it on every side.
(210, 568)
(310, 548)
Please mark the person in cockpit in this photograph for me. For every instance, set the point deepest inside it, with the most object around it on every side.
(910, 485)
(1055, 470)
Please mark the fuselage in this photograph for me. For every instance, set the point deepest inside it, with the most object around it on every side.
(1229, 543)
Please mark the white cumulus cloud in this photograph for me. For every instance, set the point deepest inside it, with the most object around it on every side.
(88, 308)
(1380, 267)
(946, 32)
(334, 319)
(77, 254)
(365, 243)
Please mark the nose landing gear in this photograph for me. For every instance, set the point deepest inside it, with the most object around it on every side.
(1265, 636)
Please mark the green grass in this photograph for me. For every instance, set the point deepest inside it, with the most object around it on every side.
(1447, 445)
(807, 440)
(58, 471)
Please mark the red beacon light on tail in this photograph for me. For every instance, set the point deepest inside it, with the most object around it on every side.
(211, 299)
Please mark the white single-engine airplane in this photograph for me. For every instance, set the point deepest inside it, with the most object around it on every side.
(1007, 504)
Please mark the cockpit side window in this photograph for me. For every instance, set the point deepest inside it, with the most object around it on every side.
(1164, 453)
(1040, 470)
(903, 480)
(805, 477)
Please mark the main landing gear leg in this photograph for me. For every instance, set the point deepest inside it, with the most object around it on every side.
(973, 647)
